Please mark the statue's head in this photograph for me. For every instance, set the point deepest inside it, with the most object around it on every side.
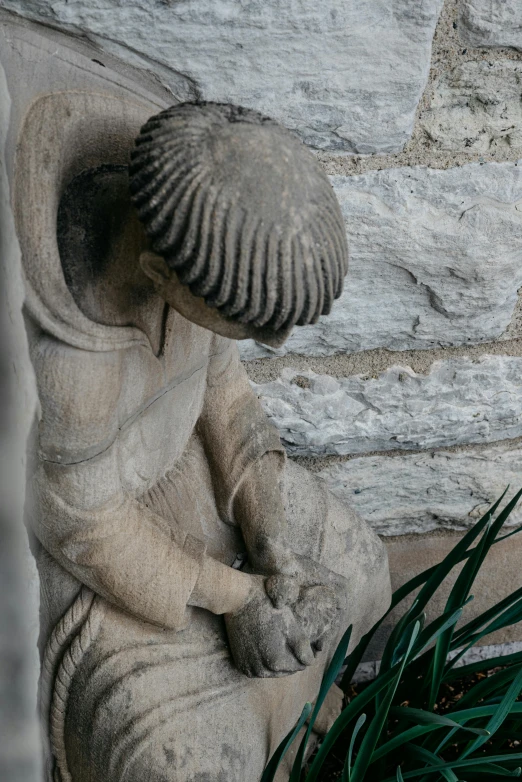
(246, 235)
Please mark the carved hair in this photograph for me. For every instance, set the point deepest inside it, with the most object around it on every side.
(242, 212)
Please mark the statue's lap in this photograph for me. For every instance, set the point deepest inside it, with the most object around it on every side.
(169, 706)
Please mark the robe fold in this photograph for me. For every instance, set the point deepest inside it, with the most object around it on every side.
(139, 459)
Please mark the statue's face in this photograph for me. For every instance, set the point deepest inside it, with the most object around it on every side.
(193, 308)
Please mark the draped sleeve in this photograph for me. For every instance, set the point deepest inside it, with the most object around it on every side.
(79, 510)
(233, 426)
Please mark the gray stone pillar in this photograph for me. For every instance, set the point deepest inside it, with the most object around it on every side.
(19, 746)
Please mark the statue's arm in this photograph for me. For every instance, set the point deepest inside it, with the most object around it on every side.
(126, 554)
(247, 458)
(123, 551)
(272, 634)
(86, 520)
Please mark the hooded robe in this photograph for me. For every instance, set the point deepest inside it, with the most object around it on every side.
(138, 457)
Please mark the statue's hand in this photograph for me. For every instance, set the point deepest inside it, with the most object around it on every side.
(318, 597)
(273, 557)
(267, 641)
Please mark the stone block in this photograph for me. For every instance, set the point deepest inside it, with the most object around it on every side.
(477, 108)
(422, 492)
(346, 74)
(491, 23)
(460, 401)
(498, 577)
(434, 261)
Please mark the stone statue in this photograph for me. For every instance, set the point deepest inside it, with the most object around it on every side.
(194, 582)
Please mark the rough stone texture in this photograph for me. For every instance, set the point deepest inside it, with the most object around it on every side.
(459, 401)
(448, 52)
(435, 259)
(418, 493)
(19, 750)
(477, 107)
(336, 72)
(374, 362)
(491, 23)
(477, 653)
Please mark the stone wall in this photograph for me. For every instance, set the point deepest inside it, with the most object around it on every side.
(397, 397)
(408, 399)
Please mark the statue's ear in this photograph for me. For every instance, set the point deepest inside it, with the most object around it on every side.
(155, 267)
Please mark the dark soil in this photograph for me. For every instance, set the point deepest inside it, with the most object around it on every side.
(450, 694)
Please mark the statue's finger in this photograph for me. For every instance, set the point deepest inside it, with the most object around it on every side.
(284, 662)
(302, 650)
(319, 643)
(282, 590)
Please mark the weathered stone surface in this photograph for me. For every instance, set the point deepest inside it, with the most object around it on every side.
(491, 22)
(19, 750)
(478, 653)
(459, 401)
(418, 493)
(336, 71)
(435, 260)
(477, 107)
(122, 538)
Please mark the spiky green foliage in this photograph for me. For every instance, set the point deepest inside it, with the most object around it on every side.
(384, 741)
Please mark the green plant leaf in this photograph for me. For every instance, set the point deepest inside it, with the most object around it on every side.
(355, 657)
(507, 618)
(271, 769)
(328, 679)
(435, 576)
(423, 717)
(459, 717)
(492, 768)
(500, 715)
(375, 728)
(500, 620)
(423, 653)
(404, 737)
(509, 534)
(476, 713)
(504, 515)
(468, 763)
(351, 712)
(467, 630)
(489, 686)
(439, 626)
(430, 580)
(456, 600)
(403, 668)
(492, 662)
(457, 554)
(433, 760)
(481, 711)
(403, 644)
(446, 740)
(347, 770)
(398, 632)
(400, 778)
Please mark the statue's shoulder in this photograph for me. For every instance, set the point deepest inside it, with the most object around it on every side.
(79, 392)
